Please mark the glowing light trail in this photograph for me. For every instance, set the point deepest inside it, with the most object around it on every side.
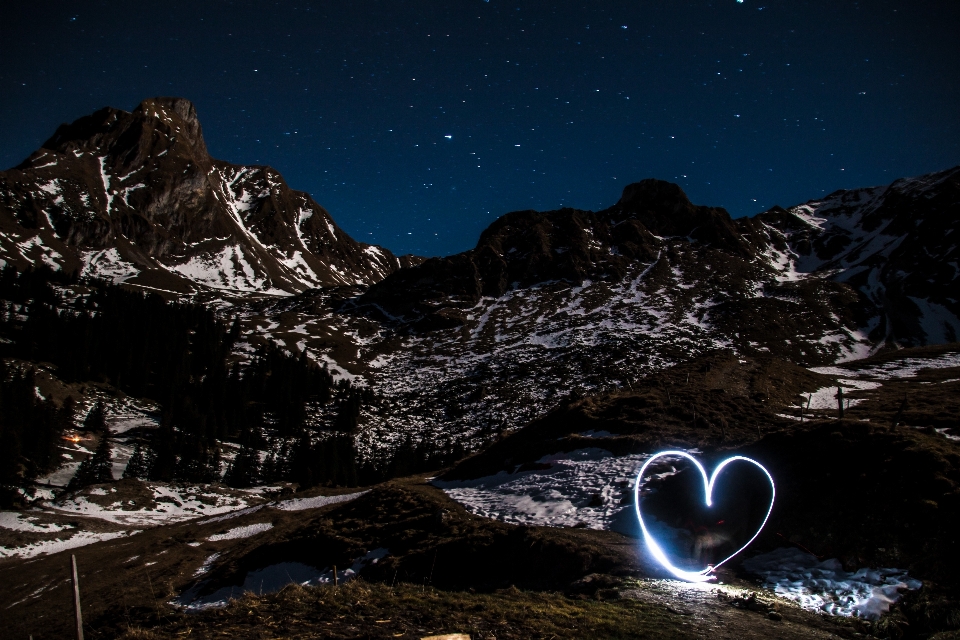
(657, 552)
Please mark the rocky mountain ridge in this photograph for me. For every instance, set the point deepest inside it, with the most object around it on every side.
(135, 197)
(882, 241)
(548, 304)
(894, 245)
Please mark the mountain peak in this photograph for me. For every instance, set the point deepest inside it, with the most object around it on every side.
(134, 195)
(162, 106)
(155, 121)
(176, 111)
(85, 131)
(654, 194)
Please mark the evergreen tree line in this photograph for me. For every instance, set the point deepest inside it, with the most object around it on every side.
(98, 467)
(307, 460)
(175, 354)
(30, 428)
(333, 461)
(136, 342)
(412, 457)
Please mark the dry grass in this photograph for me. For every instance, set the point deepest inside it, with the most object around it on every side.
(362, 610)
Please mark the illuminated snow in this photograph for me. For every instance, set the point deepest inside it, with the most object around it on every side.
(560, 496)
(824, 586)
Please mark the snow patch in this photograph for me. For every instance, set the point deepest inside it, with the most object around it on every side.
(80, 539)
(300, 504)
(237, 533)
(582, 487)
(273, 578)
(824, 586)
(107, 264)
(16, 521)
(905, 368)
(171, 504)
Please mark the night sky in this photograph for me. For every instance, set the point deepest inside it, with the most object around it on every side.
(417, 123)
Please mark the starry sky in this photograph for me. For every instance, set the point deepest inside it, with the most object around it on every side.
(416, 123)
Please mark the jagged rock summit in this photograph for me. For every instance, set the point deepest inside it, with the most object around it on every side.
(136, 197)
(884, 259)
(527, 247)
(895, 245)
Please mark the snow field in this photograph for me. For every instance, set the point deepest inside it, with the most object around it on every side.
(588, 487)
(171, 504)
(300, 504)
(79, 539)
(16, 521)
(824, 586)
(904, 368)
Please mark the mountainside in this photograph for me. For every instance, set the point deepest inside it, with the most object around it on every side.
(135, 197)
(562, 352)
(895, 245)
(554, 303)
(548, 304)
(882, 242)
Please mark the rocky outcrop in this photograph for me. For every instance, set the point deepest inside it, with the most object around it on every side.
(136, 197)
(896, 246)
(882, 259)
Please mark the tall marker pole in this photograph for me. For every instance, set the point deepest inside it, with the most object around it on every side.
(76, 597)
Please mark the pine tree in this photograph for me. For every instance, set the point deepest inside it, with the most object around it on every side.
(268, 470)
(163, 454)
(94, 469)
(214, 471)
(96, 420)
(245, 469)
(139, 464)
(301, 462)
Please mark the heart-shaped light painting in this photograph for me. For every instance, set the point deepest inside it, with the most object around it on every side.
(708, 483)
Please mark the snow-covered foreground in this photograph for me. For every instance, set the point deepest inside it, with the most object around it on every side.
(593, 487)
(824, 586)
(78, 539)
(170, 503)
(587, 487)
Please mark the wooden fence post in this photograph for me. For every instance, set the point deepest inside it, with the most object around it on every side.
(76, 597)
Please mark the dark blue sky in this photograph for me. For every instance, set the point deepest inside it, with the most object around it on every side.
(417, 123)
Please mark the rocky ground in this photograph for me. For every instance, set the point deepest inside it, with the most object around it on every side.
(566, 348)
(877, 488)
(446, 571)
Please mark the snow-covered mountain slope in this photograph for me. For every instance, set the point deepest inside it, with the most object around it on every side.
(135, 197)
(579, 302)
(546, 305)
(897, 246)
